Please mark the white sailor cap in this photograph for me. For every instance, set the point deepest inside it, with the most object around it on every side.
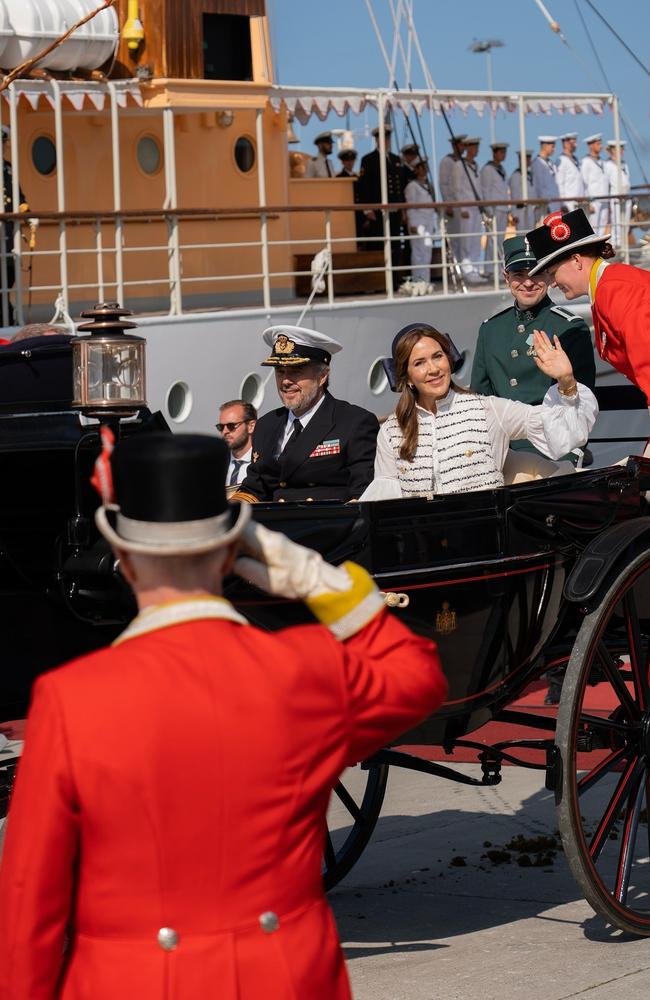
(324, 137)
(472, 140)
(614, 142)
(298, 345)
(419, 161)
(527, 152)
(499, 145)
(547, 138)
(459, 137)
(596, 137)
(569, 135)
(410, 147)
(387, 128)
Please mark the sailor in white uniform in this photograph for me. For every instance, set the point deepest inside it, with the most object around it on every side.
(422, 222)
(619, 183)
(466, 185)
(569, 177)
(524, 214)
(596, 184)
(494, 185)
(446, 189)
(320, 165)
(545, 175)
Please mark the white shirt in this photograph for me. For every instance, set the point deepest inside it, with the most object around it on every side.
(245, 459)
(545, 180)
(516, 185)
(559, 425)
(445, 176)
(320, 166)
(611, 170)
(494, 184)
(416, 193)
(461, 187)
(304, 420)
(569, 178)
(594, 176)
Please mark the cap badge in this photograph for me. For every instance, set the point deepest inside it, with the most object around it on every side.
(560, 231)
(283, 345)
(527, 246)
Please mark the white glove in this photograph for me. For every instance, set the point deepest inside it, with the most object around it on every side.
(344, 598)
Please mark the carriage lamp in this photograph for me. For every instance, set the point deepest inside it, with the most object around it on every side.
(108, 364)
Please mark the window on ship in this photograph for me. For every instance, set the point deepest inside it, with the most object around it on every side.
(227, 51)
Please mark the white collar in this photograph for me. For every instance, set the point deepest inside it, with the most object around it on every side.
(161, 616)
(442, 405)
(246, 457)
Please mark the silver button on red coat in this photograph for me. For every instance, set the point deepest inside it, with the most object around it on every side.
(269, 922)
(167, 938)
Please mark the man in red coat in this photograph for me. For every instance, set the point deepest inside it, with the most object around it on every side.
(577, 261)
(165, 835)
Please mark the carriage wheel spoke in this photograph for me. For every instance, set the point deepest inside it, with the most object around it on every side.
(330, 854)
(614, 677)
(601, 769)
(348, 802)
(626, 782)
(628, 840)
(637, 659)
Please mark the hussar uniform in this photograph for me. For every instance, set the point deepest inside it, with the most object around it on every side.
(167, 827)
(545, 178)
(569, 178)
(619, 183)
(466, 185)
(596, 189)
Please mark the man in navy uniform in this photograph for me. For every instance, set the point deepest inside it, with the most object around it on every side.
(503, 362)
(321, 165)
(8, 185)
(313, 447)
(369, 187)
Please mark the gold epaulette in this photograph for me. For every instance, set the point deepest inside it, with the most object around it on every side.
(245, 496)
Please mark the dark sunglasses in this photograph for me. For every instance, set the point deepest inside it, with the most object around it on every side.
(229, 427)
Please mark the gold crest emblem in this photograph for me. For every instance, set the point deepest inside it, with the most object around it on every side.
(445, 620)
(283, 345)
(256, 455)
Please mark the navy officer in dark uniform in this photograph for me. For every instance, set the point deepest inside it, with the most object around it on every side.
(369, 188)
(503, 362)
(8, 243)
(313, 447)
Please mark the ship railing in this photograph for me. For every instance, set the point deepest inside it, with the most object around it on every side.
(91, 256)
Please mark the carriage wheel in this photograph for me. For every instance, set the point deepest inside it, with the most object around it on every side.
(603, 734)
(353, 814)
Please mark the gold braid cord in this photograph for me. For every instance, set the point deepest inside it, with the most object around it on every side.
(30, 63)
(243, 495)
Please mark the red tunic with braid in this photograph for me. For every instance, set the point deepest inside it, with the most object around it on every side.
(620, 306)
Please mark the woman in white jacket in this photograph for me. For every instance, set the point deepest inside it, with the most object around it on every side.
(444, 439)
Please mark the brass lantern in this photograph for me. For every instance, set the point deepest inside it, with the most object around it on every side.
(108, 364)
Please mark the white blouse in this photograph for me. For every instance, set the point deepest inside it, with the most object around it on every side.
(556, 427)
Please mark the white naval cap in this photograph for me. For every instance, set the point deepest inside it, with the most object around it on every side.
(596, 137)
(616, 142)
(569, 135)
(472, 140)
(459, 137)
(547, 138)
(298, 345)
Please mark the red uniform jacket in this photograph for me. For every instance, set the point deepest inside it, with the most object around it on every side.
(180, 780)
(621, 313)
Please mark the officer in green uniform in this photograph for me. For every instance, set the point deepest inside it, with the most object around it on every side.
(503, 363)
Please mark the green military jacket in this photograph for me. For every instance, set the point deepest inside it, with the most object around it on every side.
(503, 363)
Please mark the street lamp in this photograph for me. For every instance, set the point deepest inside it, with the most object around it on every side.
(487, 46)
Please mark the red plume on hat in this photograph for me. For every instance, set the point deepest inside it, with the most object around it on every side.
(560, 230)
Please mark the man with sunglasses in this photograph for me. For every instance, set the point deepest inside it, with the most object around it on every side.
(503, 363)
(237, 420)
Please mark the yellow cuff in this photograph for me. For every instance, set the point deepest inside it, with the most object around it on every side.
(347, 612)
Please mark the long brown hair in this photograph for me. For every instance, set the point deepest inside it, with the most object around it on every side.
(405, 410)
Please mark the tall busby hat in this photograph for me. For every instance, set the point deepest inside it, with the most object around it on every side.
(456, 357)
(169, 496)
(560, 235)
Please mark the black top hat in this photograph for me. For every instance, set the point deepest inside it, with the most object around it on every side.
(170, 496)
(389, 363)
(560, 235)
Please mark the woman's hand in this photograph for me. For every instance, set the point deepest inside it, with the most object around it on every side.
(553, 360)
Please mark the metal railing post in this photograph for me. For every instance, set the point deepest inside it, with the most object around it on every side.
(383, 178)
(118, 231)
(60, 192)
(261, 190)
(443, 252)
(328, 243)
(99, 250)
(3, 253)
(15, 198)
(171, 202)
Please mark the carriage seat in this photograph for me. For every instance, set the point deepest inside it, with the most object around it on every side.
(527, 466)
(36, 375)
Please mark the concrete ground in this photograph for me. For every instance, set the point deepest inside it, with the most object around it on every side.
(416, 927)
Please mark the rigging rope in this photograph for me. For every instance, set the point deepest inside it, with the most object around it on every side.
(617, 36)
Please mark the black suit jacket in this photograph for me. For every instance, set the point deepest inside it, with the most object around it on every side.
(333, 458)
(369, 183)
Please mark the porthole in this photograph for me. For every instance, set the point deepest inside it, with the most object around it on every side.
(149, 154)
(244, 154)
(252, 390)
(377, 378)
(179, 401)
(44, 155)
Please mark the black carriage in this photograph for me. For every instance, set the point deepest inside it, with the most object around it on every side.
(510, 583)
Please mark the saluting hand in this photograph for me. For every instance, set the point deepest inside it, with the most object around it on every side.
(552, 359)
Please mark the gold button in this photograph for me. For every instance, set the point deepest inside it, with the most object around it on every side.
(269, 922)
(514, 354)
(513, 382)
(283, 486)
(167, 938)
(468, 454)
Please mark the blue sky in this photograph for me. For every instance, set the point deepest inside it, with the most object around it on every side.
(332, 43)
